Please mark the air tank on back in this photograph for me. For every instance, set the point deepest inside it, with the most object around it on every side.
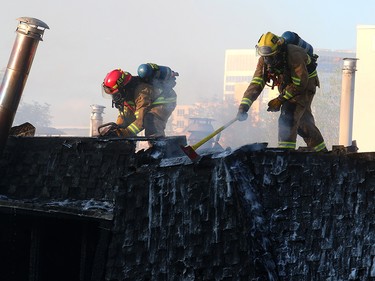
(293, 38)
(154, 71)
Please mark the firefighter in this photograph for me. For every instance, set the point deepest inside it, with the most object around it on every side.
(293, 71)
(141, 105)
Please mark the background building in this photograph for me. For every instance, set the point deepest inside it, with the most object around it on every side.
(364, 97)
(179, 120)
(239, 68)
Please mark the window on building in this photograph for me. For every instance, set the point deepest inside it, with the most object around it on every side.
(180, 124)
(237, 79)
(229, 88)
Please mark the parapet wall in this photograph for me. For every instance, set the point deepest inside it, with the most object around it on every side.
(248, 215)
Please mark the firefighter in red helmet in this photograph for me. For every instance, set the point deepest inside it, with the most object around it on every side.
(141, 105)
(293, 71)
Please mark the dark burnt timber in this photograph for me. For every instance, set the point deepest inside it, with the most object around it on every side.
(93, 209)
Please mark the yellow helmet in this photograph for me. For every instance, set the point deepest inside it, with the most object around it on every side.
(268, 44)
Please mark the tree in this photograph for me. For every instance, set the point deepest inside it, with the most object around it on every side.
(35, 113)
(326, 105)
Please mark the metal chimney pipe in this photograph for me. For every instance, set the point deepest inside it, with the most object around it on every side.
(29, 33)
(347, 101)
(96, 119)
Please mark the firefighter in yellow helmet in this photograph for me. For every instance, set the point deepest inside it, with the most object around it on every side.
(293, 71)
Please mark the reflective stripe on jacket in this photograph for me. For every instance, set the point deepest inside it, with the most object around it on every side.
(293, 78)
(144, 97)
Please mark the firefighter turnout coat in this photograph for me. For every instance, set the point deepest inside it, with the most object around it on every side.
(296, 81)
(145, 106)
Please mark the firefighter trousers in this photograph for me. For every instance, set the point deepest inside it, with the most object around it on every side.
(296, 118)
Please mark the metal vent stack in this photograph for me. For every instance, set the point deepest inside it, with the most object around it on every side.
(29, 32)
(347, 101)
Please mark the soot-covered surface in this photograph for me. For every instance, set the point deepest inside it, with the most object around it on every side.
(251, 214)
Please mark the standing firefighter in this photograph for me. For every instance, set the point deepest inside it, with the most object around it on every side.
(293, 70)
(143, 103)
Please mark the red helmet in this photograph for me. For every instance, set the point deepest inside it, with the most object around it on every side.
(115, 79)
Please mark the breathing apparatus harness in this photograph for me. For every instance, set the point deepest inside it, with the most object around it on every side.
(119, 101)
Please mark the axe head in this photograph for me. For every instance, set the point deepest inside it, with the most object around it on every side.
(190, 152)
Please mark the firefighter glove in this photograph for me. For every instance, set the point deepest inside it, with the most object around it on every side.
(125, 133)
(241, 115)
(112, 133)
(274, 105)
(108, 130)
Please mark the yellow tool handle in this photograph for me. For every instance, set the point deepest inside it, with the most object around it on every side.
(201, 142)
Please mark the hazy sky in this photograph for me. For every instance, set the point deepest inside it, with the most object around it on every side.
(87, 39)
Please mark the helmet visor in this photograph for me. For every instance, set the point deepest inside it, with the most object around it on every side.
(266, 51)
(108, 92)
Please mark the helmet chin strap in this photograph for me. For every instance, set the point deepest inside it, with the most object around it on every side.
(118, 100)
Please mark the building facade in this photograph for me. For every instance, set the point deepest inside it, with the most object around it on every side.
(238, 71)
(364, 96)
(179, 120)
